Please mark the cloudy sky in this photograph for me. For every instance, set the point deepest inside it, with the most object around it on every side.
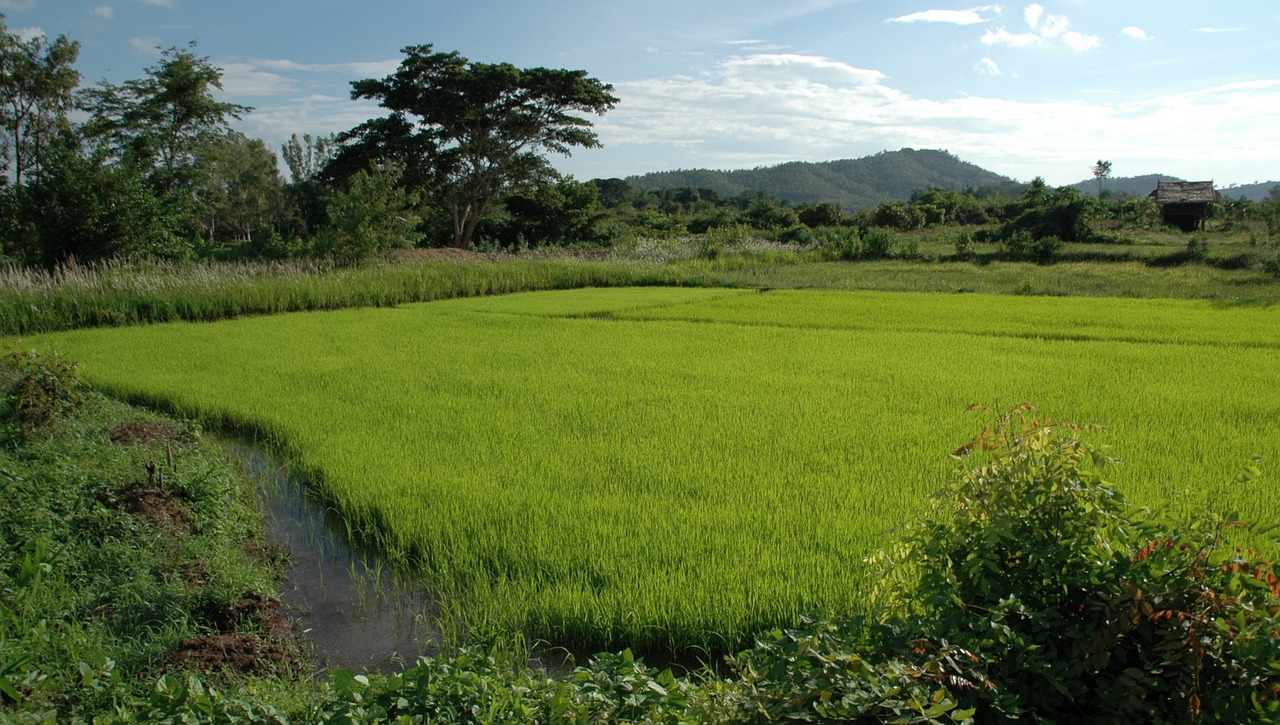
(1155, 86)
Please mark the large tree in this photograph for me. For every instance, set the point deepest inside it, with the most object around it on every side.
(161, 123)
(467, 132)
(36, 87)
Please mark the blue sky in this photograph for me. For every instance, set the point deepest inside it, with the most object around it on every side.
(1024, 89)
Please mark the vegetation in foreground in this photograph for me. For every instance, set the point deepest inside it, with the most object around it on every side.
(742, 440)
(983, 614)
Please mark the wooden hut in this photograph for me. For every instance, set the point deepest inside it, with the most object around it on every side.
(1185, 204)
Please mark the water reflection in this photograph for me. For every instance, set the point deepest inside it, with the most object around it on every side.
(345, 602)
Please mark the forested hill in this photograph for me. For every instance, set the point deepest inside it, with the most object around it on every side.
(853, 183)
(1145, 184)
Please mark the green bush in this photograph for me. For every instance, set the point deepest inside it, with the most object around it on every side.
(374, 215)
(1037, 591)
(1022, 245)
(40, 389)
(1272, 266)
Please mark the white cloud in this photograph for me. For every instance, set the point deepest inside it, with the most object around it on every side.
(160, 3)
(148, 46)
(29, 34)
(17, 5)
(103, 11)
(1080, 42)
(245, 80)
(767, 109)
(972, 16)
(1133, 31)
(1001, 36)
(987, 66)
(1043, 28)
(361, 69)
(1032, 15)
(1220, 30)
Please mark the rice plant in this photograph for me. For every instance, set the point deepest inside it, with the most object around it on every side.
(678, 469)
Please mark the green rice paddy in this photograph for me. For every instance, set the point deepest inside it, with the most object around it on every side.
(675, 469)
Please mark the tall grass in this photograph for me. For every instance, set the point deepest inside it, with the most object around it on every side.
(116, 294)
(677, 469)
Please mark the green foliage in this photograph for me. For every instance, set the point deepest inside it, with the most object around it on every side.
(823, 214)
(113, 294)
(1023, 245)
(1139, 211)
(877, 243)
(1272, 267)
(238, 188)
(1036, 591)
(374, 215)
(36, 85)
(1070, 599)
(40, 389)
(826, 671)
(849, 183)
(1197, 249)
(483, 684)
(898, 215)
(557, 211)
(839, 243)
(718, 241)
(81, 209)
(850, 243)
(468, 132)
(769, 213)
(159, 123)
(95, 588)
(1062, 214)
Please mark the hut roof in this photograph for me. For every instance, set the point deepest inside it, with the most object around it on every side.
(1185, 192)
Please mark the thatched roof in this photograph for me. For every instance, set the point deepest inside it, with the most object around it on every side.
(1185, 192)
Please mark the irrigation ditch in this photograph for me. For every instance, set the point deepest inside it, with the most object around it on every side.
(350, 608)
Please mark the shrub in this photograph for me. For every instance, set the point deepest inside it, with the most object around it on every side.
(1022, 245)
(1272, 266)
(42, 389)
(1037, 591)
(843, 243)
(373, 216)
(877, 243)
(719, 240)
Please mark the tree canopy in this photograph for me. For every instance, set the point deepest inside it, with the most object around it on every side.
(467, 132)
(160, 122)
(36, 85)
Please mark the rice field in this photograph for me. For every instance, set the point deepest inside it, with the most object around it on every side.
(677, 469)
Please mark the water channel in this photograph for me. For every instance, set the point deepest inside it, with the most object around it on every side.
(350, 608)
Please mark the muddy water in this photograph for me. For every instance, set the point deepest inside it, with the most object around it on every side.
(345, 603)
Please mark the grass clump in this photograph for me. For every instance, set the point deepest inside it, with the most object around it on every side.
(126, 543)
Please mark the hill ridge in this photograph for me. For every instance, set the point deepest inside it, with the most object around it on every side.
(852, 183)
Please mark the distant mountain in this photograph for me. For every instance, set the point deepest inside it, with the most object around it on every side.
(1144, 185)
(1256, 192)
(853, 183)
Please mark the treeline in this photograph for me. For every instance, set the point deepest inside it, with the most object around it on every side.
(1031, 224)
(155, 171)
